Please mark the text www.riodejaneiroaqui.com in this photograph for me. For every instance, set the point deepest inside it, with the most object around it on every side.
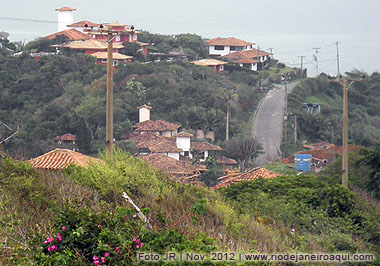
(240, 257)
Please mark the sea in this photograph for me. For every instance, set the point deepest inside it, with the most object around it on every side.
(321, 31)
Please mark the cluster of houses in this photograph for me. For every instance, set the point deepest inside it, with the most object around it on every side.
(178, 153)
(90, 38)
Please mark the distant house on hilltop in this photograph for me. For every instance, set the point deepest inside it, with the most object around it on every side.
(224, 46)
(252, 59)
(65, 139)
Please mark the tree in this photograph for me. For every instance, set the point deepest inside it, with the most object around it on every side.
(372, 159)
(243, 150)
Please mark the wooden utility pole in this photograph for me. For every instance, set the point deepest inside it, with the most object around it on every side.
(345, 135)
(295, 129)
(109, 104)
(337, 57)
(301, 57)
(286, 109)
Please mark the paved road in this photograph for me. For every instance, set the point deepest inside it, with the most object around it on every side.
(268, 123)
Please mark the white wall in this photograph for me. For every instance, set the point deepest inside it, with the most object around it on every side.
(144, 114)
(65, 18)
(174, 155)
(212, 51)
(183, 143)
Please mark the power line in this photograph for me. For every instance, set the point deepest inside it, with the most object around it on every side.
(28, 19)
(316, 57)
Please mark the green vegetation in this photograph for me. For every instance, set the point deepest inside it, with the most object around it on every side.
(363, 104)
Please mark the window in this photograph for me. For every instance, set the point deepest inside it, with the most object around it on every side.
(221, 67)
(115, 62)
(104, 60)
(186, 154)
(219, 48)
(118, 38)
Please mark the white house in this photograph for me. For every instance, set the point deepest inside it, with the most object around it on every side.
(183, 141)
(249, 58)
(224, 46)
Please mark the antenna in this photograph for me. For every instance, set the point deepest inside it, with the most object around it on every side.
(316, 58)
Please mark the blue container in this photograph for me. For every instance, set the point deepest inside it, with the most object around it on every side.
(303, 162)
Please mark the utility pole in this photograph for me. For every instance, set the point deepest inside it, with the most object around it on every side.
(258, 59)
(302, 57)
(295, 129)
(109, 95)
(345, 135)
(286, 109)
(337, 57)
(109, 104)
(316, 58)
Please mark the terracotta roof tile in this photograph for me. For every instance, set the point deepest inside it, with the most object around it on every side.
(159, 125)
(82, 23)
(65, 8)
(228, 42)
(170, 165)
(60, 159)
(144, 106)
(183, 134)
(204, 146)
(248, 176)
(228, 161)
(67, 137)
(209, 62)
(72, 34)
(154, 143)
(92, 44)
(117, 56)
(246, 56)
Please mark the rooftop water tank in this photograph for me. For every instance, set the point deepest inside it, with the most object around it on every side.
(303, 162)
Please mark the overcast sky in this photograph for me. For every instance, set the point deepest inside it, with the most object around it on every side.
(291, 27)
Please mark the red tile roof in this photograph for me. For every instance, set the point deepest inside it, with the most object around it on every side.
(246, 56)
(204, 146)
(154, 143)
(66, 137)
(159, 125)
(92, 44)
(248, 176)
(60, 159)
(228, 42)
(226, 161)
(82, 23)
(72, 34)
(183, 134)
(65, 8)
(170, 165)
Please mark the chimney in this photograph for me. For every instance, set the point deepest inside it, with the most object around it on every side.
(144, 113)
(183, 141)
(65, 17)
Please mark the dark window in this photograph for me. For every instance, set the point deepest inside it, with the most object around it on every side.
(186, 154)
(218, 47)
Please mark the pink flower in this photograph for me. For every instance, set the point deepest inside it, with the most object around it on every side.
(99, 226)
(106, 254)
(142, 244)
(134, 240)
(49, 249)
(59, 237)
(117, 249)
(137, 246)
(102, 260)
(96, 262)
(50, 239)
(63, 228)
(138, 241)
(46, 242)
(53, 247)
(95, 258)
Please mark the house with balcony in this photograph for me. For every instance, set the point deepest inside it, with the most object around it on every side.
(252, 59)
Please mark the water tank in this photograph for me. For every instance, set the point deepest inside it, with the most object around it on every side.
(302, 162)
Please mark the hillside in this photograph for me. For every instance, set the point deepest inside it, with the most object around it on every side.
(363, 106)
(83, 212)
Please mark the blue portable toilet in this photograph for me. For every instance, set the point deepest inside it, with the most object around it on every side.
(303, 162)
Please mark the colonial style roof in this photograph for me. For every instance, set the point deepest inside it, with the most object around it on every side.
(154, 143)
(159, 125)
(248, 176)
(60, 159)
(226, 161)
(209, 62)
(204, 146)
(92, 44)
(71, 34)
(82, 23)
(144, 106)
(246, 56)
(183, 134)
(169, 165)
(228, 42)
(65, 8)
(116, 56)
(66, 137)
